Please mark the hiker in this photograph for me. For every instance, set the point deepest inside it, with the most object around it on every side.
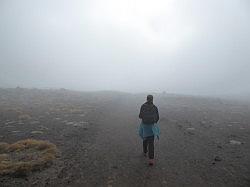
(148, 129)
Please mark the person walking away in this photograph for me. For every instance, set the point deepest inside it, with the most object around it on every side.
(148, 130)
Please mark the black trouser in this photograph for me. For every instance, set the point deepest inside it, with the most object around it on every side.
(148, 146)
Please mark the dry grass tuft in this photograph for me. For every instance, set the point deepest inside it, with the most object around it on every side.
(3, 147)
(22, 157)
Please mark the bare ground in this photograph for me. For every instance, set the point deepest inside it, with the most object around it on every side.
(204, 141)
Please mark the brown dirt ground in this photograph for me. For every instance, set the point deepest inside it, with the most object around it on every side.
(96, 134)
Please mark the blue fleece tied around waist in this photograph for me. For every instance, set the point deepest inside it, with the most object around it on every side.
(146, 130)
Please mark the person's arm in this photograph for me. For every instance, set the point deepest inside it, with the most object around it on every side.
(157, 114)
(140, 115)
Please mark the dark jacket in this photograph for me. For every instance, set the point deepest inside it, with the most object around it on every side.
(149, 113)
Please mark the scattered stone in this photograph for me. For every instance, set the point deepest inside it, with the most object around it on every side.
(219, 146)
(15, 131)
(234, 122)
(173, 121)
(203, 122)
(20, 123)
(164, 182)
(9, 126)
(191, 129)
(235, 142)
(10, 122)
(34, 122)
(77, 125)
(232, 136)
(115, 167)
(35, 182)
(24, 117)
(84, 122)
(215, 122)
(110, 182)
(36, 132)
(190, 132)
(75, 111)
(43, 127)
(81, 124)
(217, 158)
(179, 126)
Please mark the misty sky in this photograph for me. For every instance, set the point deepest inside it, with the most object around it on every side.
(177, 46)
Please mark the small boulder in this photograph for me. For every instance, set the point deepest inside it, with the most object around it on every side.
(217, 159)
(235, 142)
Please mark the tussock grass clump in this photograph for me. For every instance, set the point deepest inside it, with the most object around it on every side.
(22, 157)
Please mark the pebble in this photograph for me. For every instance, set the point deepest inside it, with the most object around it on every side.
(34, 122)
(9, 126)
(43, 127)
(217, 158)
(10, 122)
(164, 182)
(15, 131)
(234, 122)
(36, 132)
(77, 125)
(191, 129)
(203, 122)
(235, 142)
(84, 122)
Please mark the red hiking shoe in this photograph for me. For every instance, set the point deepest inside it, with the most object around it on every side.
(151, 162)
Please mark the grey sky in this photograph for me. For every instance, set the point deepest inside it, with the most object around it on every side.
(189, 47)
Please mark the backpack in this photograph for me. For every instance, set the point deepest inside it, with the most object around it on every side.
(149, 115)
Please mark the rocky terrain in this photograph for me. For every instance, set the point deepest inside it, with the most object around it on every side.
(203, 142)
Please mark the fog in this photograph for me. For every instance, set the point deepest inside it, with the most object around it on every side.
(186, 47)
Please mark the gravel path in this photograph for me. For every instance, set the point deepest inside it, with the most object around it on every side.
(203, 142)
